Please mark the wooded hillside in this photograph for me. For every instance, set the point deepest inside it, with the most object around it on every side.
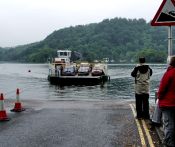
(120, 39)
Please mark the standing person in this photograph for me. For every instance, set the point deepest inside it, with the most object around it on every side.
(142, 73)
(166, 96)
(157, 114)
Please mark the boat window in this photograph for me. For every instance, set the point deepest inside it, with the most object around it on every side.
(63, 53)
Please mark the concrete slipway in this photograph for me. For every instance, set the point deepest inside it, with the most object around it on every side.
(57, 123)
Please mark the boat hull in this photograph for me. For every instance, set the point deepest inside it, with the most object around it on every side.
(78, 80)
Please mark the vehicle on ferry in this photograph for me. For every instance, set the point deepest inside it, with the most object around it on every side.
(98, 70)
(69, 70)
(62, 71)
(84, 69)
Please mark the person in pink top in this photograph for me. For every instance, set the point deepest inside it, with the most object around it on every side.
(166, 96)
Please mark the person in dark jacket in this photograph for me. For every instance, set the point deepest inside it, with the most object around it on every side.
(166, 96)
(142, 73)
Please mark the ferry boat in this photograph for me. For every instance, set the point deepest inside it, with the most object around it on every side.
(64, 72)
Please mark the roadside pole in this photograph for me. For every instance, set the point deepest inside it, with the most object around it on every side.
(170, 43)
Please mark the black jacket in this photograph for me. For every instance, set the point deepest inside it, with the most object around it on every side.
(142, 68)
(142, 74)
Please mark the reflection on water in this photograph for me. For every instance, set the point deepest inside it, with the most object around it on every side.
(34, 84)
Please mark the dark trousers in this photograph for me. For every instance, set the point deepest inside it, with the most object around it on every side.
(142, 105)
(169, 126)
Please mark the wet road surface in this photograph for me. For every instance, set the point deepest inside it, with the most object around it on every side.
(71, 124)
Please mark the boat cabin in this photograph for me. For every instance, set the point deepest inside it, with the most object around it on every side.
(63, 56)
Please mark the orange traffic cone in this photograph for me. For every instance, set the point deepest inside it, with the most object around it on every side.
(18, 106)
(3, 114)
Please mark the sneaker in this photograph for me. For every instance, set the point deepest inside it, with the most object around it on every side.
(139, 118)
(154, 124)
(146, 117)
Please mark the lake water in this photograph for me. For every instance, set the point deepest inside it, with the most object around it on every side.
(34, 84)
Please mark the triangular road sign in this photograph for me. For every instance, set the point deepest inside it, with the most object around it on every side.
(165, 15)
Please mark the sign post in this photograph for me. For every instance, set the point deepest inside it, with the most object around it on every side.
(170, 43)
(165, 16)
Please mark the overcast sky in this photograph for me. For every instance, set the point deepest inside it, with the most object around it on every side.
(28, 21)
